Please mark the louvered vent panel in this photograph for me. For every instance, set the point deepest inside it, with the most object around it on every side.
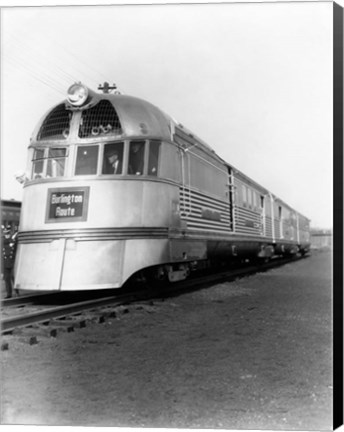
(56, 125)
(100, 120)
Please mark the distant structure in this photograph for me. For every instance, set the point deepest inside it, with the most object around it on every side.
(10, 214)
(321, 239)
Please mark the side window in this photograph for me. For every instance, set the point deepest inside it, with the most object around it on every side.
(136, 157)
(37, 163)
(86, 160)
(153, 159)
(249, 196)
(255, 200)
(56, 162)
(244, 195)
(113, 159)
(170, 165)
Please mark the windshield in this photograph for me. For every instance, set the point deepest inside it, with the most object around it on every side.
(48, 162)
(139, 157)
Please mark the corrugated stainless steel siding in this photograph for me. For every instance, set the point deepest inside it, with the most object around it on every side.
(192, 205)
(248, 221)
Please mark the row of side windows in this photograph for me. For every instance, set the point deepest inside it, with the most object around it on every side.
(133, 158)
(251, 199)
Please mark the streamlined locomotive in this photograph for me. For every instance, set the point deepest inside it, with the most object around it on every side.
(114, 187)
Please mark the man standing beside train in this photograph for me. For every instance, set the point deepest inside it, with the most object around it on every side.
(8, 255)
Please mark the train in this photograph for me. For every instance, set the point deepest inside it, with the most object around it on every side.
(115, 189)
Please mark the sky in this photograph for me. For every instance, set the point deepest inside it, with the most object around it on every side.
(253, 80)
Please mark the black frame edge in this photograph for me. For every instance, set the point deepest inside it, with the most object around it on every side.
(337, 216)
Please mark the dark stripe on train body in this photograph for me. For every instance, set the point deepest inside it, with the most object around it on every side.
(198, 234)
(196, 203)
(191, 197)
(247, 211)
(205, 213)
(94, 234)
(207, 219)
(200, 213)
(232, 237)
(207, 222)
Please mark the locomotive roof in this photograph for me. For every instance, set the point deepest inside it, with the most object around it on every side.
(137, 118)
(130, 107)
(140, 118)
(135, 112)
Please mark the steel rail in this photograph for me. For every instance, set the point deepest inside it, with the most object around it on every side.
(9, 324)
(27, 299)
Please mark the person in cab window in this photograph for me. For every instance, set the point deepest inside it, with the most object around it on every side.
(115, 164)
(136, 158)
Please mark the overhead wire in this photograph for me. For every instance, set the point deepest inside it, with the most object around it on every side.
(24, 65)
(38, 66)
(32, 82)
(35, 63)
(62, 73)
(16, 62)
(86, 68)
(76, 57)
(40, 58)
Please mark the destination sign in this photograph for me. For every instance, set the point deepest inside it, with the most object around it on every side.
(67, 204)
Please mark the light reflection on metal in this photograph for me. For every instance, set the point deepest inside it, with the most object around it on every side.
(77, 94)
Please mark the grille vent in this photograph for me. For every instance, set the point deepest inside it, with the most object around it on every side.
(99, 120)
(56, 125)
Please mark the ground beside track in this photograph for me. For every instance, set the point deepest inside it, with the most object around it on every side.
(251, 354)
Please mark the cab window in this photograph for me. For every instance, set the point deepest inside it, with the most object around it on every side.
(86, 160)
(136, 157)
(56, 162)
(38, 163)
(153, 159)
(113, 159)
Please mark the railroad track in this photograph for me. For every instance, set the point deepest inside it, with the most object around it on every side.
(33, 312)
(39, 310)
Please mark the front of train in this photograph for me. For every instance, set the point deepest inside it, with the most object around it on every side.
(96, 207)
